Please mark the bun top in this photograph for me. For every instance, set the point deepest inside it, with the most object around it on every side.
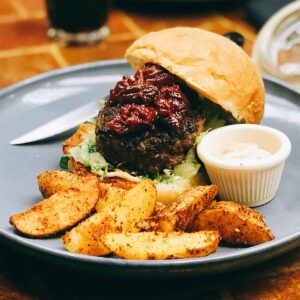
(209, 63)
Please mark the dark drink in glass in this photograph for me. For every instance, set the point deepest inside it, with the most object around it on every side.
(77, 22)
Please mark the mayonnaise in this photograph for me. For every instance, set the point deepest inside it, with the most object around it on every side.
(243, 152)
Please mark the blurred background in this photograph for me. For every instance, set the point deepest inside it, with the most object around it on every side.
(80, 31)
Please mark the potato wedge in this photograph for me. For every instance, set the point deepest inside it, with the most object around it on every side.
(119, 211)
(78, 168)
(129, 207)
(179, 214)
(77, 137)
(162, 245)
(57, 213)
(120, 182)
(236, 223)
(112, 198)
(86, 237)
(159, 207)
(150, 224)
(138, 204)
(51, 182)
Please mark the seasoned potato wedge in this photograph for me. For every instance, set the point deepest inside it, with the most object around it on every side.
(112, 198)
(150, 223)
(236, 223)
(57, 213)
(51, 182)
(118, 211)
(159, 207)
(179, 214)
(120, 182)
(77, 137)
(129, 207)
(162, 245)
(86, 237)
(77, 168)
(138, 204)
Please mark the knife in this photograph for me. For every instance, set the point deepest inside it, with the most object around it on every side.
(61, 124)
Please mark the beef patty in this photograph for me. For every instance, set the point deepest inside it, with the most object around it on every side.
(149, 144)
(148, 151)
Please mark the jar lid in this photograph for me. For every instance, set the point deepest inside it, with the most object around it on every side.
(277, 47)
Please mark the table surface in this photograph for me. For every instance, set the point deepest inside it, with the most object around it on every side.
(25, 51)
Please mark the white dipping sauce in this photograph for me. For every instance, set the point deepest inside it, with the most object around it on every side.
(243, 152)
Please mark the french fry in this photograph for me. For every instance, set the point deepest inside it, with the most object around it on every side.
(162, 245)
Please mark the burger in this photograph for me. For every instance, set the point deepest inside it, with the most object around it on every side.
(187, 81)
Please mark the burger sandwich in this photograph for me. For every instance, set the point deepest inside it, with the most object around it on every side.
(187, 81)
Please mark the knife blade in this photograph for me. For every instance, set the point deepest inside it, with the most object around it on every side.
(61, 124)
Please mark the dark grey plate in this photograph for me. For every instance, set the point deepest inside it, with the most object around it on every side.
(35, 101)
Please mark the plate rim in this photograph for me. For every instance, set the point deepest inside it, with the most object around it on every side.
(278, 245)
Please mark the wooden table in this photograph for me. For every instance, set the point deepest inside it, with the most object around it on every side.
(26, 51)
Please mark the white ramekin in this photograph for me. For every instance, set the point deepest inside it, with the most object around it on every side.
(253, 183)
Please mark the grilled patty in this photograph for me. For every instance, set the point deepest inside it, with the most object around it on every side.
(148, 151)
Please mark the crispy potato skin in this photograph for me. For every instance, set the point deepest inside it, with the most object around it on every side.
(162, 245)
(55, 214)
(117, 211)
(159, 207)
(78, 168)
(120, 183)
(51, 182)
(77, 137)
(237, 224)
(179, 214)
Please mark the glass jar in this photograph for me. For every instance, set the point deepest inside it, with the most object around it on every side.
(277, 47)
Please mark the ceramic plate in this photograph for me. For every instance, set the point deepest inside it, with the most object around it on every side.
(35, 101)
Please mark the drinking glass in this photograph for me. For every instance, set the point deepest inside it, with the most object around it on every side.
(77, 22)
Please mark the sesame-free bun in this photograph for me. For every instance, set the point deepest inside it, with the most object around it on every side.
(210, 64)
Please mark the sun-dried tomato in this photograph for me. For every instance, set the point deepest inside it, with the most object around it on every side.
(152, 97)
(171, 106)
(132, 117)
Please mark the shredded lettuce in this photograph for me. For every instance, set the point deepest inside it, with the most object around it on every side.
(213, 118)
(92, 121)
(166, 176)
(189, 167)
(86, 153)
(213, 121)
(64, 160)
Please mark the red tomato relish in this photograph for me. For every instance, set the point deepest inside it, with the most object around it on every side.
(153, 97)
